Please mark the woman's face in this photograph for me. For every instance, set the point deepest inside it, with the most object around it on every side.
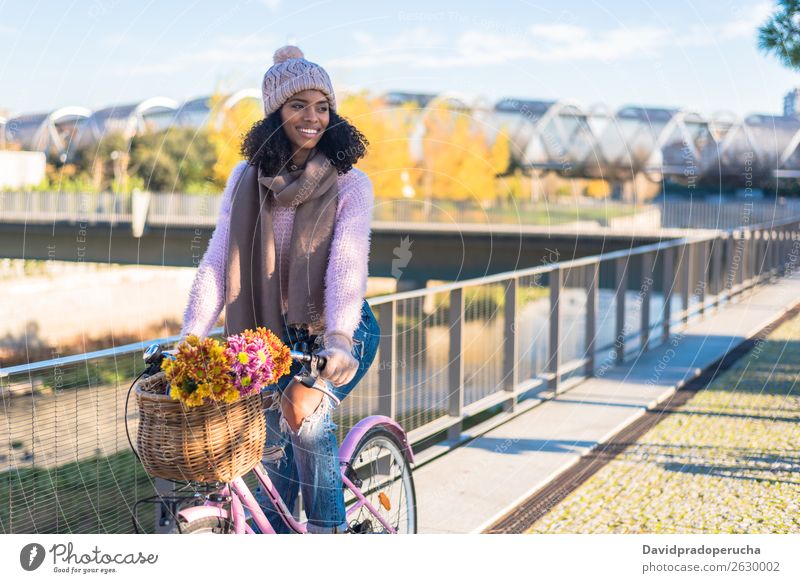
(305, 116)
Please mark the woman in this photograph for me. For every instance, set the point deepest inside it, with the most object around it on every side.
(290, 253)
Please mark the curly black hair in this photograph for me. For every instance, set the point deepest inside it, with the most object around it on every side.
(266, 146)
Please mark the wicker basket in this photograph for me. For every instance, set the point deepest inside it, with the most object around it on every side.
(216, 442)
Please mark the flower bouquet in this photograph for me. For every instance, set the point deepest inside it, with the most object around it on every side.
(201, 419)
(205, 370)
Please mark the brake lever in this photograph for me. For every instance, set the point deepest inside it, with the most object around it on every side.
(309, 376)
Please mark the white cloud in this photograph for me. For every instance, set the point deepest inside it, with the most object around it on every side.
(559, 32)
(545, 42)
(746, 20)
(271, 4)
(7, 31)
(224, 50)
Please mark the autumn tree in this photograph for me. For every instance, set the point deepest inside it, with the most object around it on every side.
(388, 162)
(226, 129)
(461, 162)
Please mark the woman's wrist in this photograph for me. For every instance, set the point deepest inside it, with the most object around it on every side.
(334, 337)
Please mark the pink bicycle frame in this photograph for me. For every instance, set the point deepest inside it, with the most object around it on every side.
(242, 498)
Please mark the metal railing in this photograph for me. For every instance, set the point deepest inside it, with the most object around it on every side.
(727, 214)
(448, 355)
(178, 209)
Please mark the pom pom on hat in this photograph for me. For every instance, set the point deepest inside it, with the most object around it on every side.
(287, 52)
(290, 74)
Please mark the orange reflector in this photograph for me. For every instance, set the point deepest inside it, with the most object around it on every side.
(384, 499)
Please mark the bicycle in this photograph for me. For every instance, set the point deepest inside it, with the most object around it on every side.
(376, 466)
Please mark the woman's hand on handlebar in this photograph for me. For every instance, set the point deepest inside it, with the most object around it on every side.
(341, 366)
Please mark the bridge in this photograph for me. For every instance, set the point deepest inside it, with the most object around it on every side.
(174, 229)
(503, 381)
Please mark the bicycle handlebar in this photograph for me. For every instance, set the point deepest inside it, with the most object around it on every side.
(154, 355)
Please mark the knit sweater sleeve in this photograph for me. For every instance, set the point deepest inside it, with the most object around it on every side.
(207, 295)
(347, 270)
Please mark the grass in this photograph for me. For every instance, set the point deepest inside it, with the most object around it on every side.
(524, 214)
(94, 495)
(725, 462)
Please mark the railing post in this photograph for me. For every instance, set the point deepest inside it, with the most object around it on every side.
(758, 267)
(555, 311)
(621, 277)
(761, 267)
(768, 253)
(730, 256)
(739, 256)
(645, 290)
(785, 250)
(592, 285)
(686, 272)
(668, 283)
(387, 373)
(511, 342)
(759, 256)
(716, 269)
(773, 247)
(455, 376)
(702, 270)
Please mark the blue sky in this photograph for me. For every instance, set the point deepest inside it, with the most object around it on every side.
(699, 54)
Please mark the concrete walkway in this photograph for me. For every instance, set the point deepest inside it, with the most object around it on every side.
(471, 487)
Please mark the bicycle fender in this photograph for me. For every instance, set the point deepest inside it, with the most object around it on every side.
(196, 512)
(360, 429)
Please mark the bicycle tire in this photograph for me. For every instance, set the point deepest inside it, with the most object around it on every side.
(375, 436)
(205, 525)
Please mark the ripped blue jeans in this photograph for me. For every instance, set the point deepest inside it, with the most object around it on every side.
(310, 461)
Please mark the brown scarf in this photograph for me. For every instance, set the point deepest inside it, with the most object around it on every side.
(252, 286)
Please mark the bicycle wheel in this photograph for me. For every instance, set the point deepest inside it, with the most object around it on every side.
(207, 525)
(380, 470)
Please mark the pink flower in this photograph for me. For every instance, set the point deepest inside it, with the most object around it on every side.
(252, 364)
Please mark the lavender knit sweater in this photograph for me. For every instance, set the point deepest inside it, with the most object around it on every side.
(346, 275)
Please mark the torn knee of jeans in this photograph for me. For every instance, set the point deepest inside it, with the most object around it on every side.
(274, 399)
(311, 421)
(358, 349)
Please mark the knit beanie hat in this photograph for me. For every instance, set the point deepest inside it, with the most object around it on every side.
(291, 74)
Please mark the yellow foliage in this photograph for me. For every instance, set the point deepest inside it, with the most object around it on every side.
(515, 186)
(460, 162)
(598, 189)
(226, 130)
(387, 130)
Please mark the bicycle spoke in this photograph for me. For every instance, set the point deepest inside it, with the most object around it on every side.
(385, 478)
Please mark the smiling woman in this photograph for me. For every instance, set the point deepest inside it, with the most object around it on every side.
(290, 253)
(306, 121)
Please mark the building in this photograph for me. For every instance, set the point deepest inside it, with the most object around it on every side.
(791, 107)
